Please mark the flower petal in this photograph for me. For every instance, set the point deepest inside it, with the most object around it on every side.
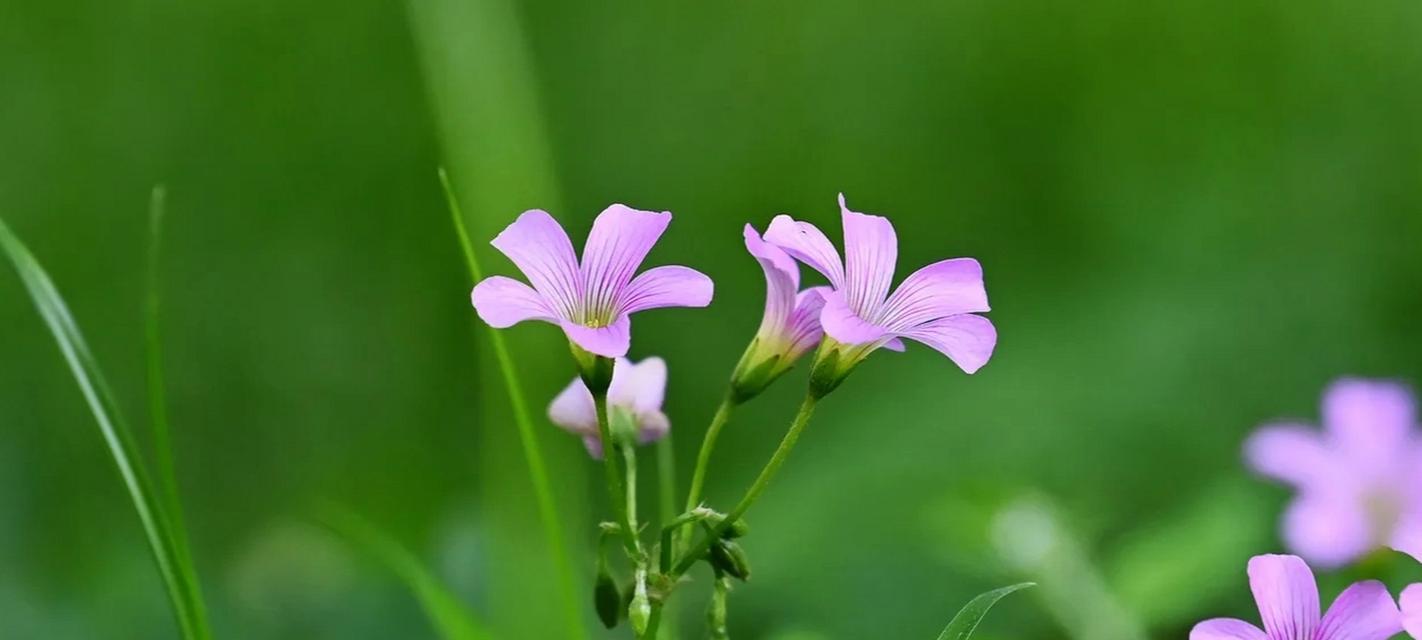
(619, 241)
(652, 426)
(895, 344)
(1330, 529)
(1226, 629)
(611, 341)
(539, 247)
(1411, 602)
(504, 302)
(806, 243)
(871, 251)
(669, 286)
(1407, 536)
(803, 325)
(782, 281)
(639, 387)
(573, 409)
(967, 340)
(593, 443)
(942, 289)
(1289, 452)
(843, 324)
(1371, 420)
(1287, 596)
(1364, 611)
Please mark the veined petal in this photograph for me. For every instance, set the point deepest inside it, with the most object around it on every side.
(942, 289)
(1331, 529)
(1364, 611)
(843, 324)
(1292, 453)
(1371, 420)
(806, 243)
(611, 341)
(1287, 596)
(669, 286)
(573, 409)
(895, 344)
(1411, 602)
(967, 340)
(803, 325)
(871, 251)
(504, 302)
(782, 281)
(1226, 629)
(539, 247)
(640, 387)
(619, 241)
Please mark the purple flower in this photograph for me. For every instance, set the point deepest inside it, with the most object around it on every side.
(634, 402)
(590, 300)
(1287, 596)
(1412, 610)
(934, 305)
(790, 326)
(1359, 481)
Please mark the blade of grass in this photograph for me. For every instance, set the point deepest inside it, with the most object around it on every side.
(533, 453)
(449, 616)
(966, 622)
(157, 396)
(173, 563)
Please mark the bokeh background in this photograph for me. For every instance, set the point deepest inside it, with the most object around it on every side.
(1192, 216)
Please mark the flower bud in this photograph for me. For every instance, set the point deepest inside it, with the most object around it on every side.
(716, 613)
(729, 558)
(639, 612)
(607, 598)
(738, 529)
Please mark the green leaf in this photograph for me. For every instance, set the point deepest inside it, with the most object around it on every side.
(963, 624)
(174, 564)
(449, 616)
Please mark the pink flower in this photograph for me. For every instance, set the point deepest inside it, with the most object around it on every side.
(1359, 481)
(790, 326)
(634, 402)
(590, 300)
(1412, 610)
(1287, 596)
(935, 305)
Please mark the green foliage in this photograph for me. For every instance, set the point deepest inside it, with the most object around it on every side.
(165, 537)
(968, 618)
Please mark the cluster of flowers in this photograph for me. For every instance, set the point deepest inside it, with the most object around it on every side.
(1359, 484)
(615, 404)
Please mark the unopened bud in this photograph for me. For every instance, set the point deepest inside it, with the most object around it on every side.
(730, 558)
(716, 613)
(639, 612)
(607, 598)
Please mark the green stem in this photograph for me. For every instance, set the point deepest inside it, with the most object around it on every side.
(666, 478)
(653, 621)
(708, 444)
(532, 452)
(802, 419)
(613, 474)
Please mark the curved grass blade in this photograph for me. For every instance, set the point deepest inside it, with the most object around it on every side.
(450, 617)
(963, 624)
(173, 563)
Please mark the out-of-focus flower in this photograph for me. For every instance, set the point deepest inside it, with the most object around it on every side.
(1359, 480)
(935, 305)
(790, 326)
(591, 300)
(1287, 596)
(1412, 610)
(634, 402)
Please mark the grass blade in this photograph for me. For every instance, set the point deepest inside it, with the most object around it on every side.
(537, 466)
(173, 564)
(966, 622)
(450, 617)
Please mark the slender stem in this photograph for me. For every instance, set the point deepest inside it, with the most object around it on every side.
(532, 452)
(708, 444)
(802, 419)
(666, 478)
(613, 475)
(653, 621)
(629, 485)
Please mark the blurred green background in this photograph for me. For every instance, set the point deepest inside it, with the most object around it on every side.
(1191, 215)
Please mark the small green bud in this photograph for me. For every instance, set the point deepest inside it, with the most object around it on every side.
(728, 557)
(716, 613)
(607, 598)
(738, 529)
(639, 612)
